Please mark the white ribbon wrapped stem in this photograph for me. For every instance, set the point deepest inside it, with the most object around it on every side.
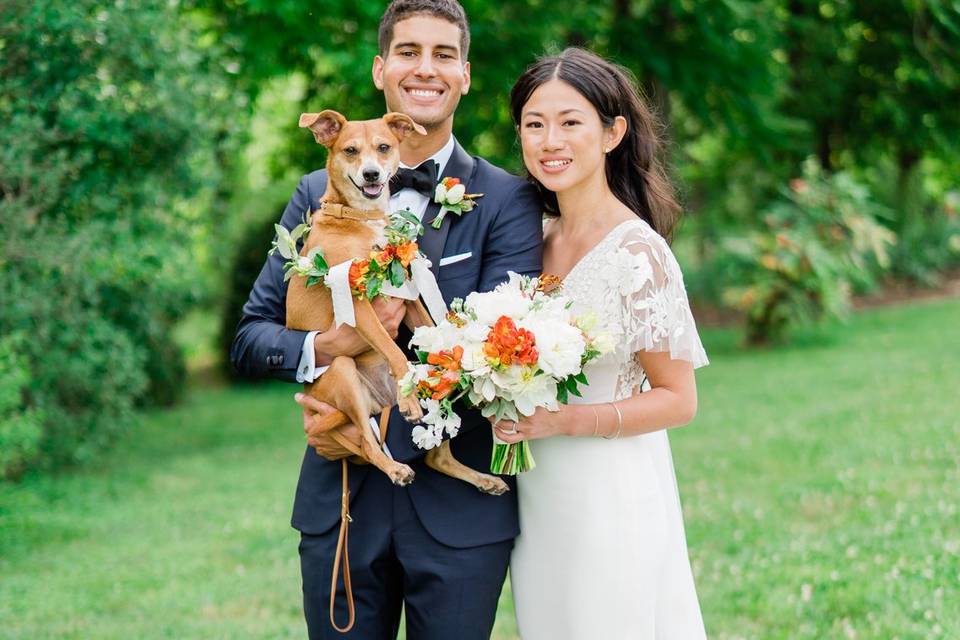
(338, 279)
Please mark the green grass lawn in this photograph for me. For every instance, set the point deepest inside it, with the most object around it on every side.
(820, 485)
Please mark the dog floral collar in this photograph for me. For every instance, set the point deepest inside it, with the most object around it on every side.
(452, 197)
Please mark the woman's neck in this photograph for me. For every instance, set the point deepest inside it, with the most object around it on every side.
(590, 207)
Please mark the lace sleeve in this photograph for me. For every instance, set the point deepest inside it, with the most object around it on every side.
(655, 311)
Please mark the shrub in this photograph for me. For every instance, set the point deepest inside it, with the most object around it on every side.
(819, 242)
(106, 124)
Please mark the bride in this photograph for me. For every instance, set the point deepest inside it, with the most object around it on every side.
(602, 551)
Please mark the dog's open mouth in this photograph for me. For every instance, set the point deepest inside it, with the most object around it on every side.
(370, 190)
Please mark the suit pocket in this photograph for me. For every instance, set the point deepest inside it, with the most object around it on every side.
(461, 266)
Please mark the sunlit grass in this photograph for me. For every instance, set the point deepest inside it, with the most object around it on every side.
(820, 487)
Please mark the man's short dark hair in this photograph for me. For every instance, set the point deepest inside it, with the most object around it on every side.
(449, 10)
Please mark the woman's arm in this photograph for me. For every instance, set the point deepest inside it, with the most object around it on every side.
(671, 402)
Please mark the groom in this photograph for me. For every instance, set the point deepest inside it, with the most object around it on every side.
(437, 546)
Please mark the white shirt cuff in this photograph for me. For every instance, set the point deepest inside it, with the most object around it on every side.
(307, 369)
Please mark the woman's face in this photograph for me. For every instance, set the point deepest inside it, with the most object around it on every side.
(562, 137)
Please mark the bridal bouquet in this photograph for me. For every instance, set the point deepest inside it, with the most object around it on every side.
(506, 351)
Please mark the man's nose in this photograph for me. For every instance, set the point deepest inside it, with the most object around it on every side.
(425, 68)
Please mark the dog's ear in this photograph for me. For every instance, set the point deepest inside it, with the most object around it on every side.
(326, 125)
(402, 125)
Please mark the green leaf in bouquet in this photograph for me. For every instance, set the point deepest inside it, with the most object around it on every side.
(397, 273)
(562, 393)
(422, 356)
(312, 280)
(374, 266)
(316, 256)
(373, 287)
(581, 378)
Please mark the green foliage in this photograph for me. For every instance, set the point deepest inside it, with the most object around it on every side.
(819, 487)
(106, 115)
(819, 242)
(19, 425)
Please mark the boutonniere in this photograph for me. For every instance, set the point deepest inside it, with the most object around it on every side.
(452, 197)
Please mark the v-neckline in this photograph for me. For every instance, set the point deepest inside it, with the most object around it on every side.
(590, 251)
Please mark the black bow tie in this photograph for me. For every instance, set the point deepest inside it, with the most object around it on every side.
(422, 179)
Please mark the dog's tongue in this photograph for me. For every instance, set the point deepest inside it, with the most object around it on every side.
(372, 189)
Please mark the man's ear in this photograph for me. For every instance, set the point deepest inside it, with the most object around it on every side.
(326, 125)
(466, 79)
(378, 72)
(402, 125)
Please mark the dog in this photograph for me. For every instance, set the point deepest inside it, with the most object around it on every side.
(363, 155)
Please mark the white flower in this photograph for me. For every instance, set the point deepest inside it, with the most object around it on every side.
(440, 193)
(440, 419)
(304, 263)
(455, 193)
(444, 336)
(426, 438)
(502, 301)
(559, 345)
(526, 389)
(604, 342)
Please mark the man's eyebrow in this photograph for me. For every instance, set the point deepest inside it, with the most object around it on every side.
(417, 45)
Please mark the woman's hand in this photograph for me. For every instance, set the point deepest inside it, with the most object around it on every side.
(542, 424)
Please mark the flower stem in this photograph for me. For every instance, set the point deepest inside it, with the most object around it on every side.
(511, 459)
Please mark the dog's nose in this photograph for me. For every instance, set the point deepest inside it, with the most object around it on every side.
(371, 175)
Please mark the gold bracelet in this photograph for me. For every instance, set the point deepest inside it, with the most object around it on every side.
(619, 423)
(596, 421)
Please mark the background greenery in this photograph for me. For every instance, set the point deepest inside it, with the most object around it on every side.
(148, 148)
(820, 487)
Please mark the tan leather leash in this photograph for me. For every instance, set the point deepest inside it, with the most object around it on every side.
(345, 520)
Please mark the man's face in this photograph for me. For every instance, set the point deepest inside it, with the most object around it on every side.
(423, 74)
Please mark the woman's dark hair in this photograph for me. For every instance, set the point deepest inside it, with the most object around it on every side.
(634, 170)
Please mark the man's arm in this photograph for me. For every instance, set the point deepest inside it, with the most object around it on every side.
(263, 346)
(514, 243)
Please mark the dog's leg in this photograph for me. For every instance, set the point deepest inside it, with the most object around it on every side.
(441, 459)
(368, 326)
(328, 421)
(417, 315)
(342, 384)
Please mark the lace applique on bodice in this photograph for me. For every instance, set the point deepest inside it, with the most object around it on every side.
(633, 285)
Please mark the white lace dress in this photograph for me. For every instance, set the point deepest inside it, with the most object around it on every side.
(602, 552)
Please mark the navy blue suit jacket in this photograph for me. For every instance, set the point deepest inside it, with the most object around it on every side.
(503, 233)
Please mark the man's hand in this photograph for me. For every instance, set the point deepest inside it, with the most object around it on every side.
(326, 446)
(345, 341)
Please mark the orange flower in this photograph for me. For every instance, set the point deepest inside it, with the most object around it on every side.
(449, 182)
(406, 252)
(357, 276)
(506, 344)
(548, 283)
(449, 360)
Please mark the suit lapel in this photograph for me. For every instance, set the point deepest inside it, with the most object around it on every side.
(460, 165)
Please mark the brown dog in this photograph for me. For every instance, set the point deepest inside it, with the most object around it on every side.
(363, 155)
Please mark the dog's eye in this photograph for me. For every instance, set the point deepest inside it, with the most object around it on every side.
(350, 151)
(383, 148)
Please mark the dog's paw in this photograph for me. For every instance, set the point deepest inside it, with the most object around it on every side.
(409, 408)
(493, 485)
(401, 475)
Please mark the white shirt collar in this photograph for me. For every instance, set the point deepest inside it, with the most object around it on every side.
(441, 157)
